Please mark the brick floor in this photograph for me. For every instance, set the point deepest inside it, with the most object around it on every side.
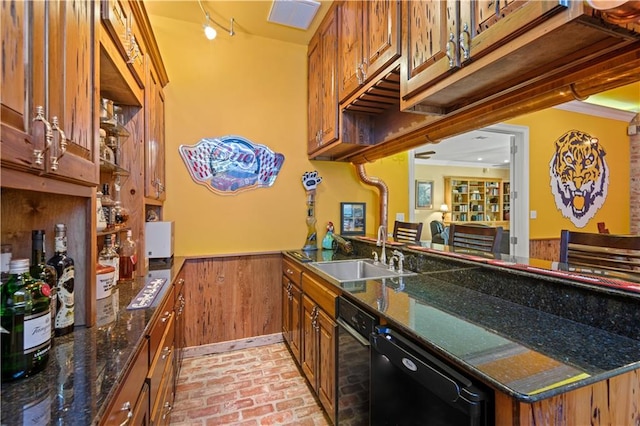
(255, 386)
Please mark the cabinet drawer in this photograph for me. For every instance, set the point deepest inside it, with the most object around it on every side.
(320, 292)
(160, 414)
(160, 326)
(163, 358)
(292, 271)
(129, 391)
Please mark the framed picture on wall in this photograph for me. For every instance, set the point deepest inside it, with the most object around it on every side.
(424, 194)
(353, 218)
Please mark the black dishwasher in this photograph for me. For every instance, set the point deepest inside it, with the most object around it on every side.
(352, 366)
(410, 386)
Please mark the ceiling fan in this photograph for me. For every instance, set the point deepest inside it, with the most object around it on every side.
(424, 155)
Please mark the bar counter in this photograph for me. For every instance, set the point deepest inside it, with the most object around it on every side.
(85, 367)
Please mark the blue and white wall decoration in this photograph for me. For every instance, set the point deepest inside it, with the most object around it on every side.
(579, 176)
(231, 164)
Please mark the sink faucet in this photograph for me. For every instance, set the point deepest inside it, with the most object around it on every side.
(382, 242)
(398, 257)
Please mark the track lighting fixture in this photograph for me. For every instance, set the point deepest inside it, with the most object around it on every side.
(209, 31)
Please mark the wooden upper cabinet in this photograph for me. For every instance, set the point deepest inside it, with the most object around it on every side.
(48, 89)
(22, 85)
(463, 52)
(322, 90)
(72, 89)
(369, 35)
(350, 47)
(155, 183)
(121, 25)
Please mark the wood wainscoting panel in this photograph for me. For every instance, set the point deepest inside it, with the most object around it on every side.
(609, 402)
(545, 249)
(231, 298)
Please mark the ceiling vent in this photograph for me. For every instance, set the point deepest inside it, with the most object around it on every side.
(293, 13)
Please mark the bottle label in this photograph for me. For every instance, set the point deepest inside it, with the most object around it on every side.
(60, 244)
(38, 412)
(37, 332)
(66, 300)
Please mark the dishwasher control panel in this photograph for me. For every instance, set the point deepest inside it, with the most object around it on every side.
(360, 320)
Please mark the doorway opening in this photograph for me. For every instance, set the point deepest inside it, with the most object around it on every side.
(500, 149)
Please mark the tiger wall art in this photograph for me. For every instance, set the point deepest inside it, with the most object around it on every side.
(579, 176)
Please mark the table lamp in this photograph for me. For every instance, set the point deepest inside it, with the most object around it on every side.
(444, 209)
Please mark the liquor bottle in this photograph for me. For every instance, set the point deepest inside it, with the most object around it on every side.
(128, 258)
(66, 279)
(40, 270)
(121, 214)
(108, 256)
(26, 323)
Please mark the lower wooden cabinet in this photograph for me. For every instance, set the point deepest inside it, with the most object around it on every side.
(161, 373)
(319, 340)
(132, 398)
(147, 391)
(291, 326)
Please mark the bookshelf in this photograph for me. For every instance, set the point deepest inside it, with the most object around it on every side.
(474, 199)
(506, 200)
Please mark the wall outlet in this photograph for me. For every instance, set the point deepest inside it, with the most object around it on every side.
(533, 214)
(400, 217)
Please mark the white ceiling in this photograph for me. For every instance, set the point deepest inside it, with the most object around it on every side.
(484, 148)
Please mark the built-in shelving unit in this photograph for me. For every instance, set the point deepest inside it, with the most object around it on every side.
(474, 199)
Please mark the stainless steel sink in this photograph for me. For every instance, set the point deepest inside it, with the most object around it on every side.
(356, 270)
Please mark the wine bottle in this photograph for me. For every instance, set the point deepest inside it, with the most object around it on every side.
(26, 323)
(128, 258)
(65, 269)
(40, 270)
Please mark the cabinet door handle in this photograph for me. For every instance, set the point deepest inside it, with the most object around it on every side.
(166, 351)
(465, 48)
(181, 281)
(168, 407)
(126, 407)
(62, 143)
(451, 50)
(166, 316)
(38, 154)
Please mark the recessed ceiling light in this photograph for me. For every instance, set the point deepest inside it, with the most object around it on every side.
(479, 158)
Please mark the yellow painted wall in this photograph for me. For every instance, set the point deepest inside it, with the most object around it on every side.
(255, 88)
(545, 127)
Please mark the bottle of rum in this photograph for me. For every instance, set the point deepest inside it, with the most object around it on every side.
(108, 256)
(26, 323)
(65, 269)
(40, 270)
(128, 258)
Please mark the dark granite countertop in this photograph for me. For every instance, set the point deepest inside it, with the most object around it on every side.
(529, 335)
(86, 366)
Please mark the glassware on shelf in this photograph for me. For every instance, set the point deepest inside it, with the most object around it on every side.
(106, 153)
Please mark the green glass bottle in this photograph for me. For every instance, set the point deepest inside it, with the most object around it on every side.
(65, 270)
(40, 270)
(26, 323)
